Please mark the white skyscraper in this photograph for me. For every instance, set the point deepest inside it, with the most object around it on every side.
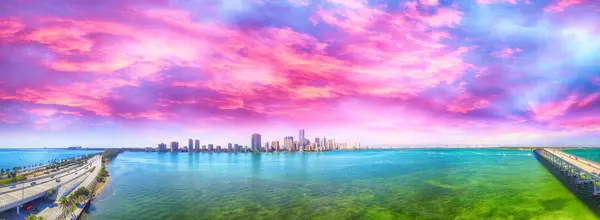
(301, 142)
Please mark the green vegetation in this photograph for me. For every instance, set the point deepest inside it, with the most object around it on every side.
(111, 154)
(12, 179)
(79, 195)
(102, 174)
(51, 192)
(34, 217)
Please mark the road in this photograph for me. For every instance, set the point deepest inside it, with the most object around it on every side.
(11, 198)
(583, 164)
(54, 212)
(51, 177)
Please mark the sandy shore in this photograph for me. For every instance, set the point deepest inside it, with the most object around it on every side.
(100, 187)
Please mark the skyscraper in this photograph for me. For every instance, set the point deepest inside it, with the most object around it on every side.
(288, 142)
(301, 143)
(255, 142)
(190, 145)
(230, 147)
(197, 145)
(210, 147)
(174, 146)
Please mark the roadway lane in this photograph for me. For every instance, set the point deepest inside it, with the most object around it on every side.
(54, 212)
(586, 165)
(6, 188)
(12, 199)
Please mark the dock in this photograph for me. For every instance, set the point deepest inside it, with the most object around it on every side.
(582, 170)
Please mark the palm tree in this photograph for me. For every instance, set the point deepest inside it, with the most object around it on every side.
(64, 203)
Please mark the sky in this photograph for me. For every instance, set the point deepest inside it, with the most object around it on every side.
(113, 73)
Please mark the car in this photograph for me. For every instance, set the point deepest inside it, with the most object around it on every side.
(52, 177)
(58, 180)
(13, 186)
(28, 207)
(75, 173)
(33, 183)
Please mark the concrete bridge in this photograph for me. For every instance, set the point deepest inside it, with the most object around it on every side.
(25, 192)
(582, 170)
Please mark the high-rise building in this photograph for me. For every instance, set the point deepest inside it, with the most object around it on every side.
(197, 145)
(256, 142)
(301, 139)
(211, 148)
(162, 147)
(267, 148)
(230, 147)
(174, 146)
(190, 145)
(204, 148)
(287, 143)
(218, 148)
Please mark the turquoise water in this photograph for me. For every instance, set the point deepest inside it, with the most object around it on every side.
(375, 184)
(10, 158)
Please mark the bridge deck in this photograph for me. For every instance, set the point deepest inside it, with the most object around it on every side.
(583, 164)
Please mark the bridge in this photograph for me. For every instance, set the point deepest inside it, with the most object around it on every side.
(24, 192)
(582, 170)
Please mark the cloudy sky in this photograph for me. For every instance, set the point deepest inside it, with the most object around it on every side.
(112, 73)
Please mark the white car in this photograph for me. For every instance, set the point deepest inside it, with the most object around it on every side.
(13, 186)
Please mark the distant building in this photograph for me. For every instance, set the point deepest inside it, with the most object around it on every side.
(197, 145)
(218, 148)
(288, 143)
(210, 148)
(204, 148)
(190, 145)
(230, 147)
(256, 142)
(162, 147)
(174, 146)
(301, 141)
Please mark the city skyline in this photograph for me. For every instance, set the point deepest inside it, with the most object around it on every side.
(136, 73)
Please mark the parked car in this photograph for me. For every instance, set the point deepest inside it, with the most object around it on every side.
(13, 186)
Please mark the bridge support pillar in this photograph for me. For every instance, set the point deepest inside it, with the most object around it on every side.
(17, 210)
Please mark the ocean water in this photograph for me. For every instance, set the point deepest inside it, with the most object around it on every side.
(10, 158)
(374, 184)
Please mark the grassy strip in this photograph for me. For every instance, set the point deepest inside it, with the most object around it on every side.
(10, 180)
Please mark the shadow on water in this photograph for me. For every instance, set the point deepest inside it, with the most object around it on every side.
(583, 192)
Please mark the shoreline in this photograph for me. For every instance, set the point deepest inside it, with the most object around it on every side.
(100, 188)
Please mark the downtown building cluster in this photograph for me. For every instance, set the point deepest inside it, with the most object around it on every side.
(302, 144)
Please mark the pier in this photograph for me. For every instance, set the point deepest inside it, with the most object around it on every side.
(582, 170)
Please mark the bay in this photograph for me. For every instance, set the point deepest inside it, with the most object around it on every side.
(373, 184)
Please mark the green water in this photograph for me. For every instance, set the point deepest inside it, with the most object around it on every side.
(376, 184)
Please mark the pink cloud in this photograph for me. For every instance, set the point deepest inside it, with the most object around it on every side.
(466, 102)
(560, 5)
(506, 53)
(50, 112)
(553, 109)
